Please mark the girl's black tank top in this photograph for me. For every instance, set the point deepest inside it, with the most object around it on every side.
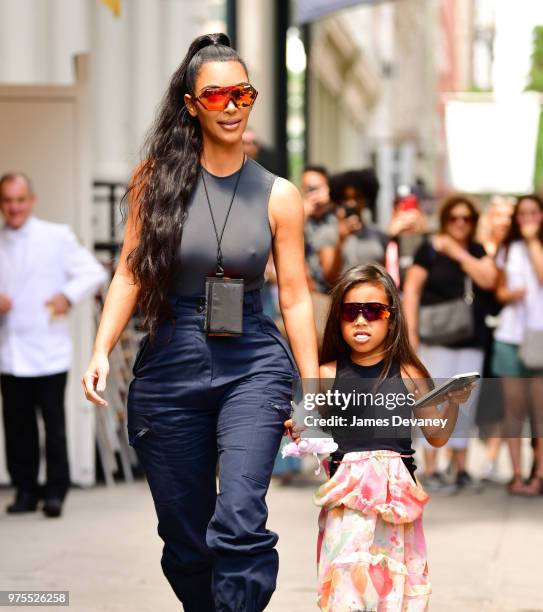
(389, 399)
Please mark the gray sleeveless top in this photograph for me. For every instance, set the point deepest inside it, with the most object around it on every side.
(246, 240)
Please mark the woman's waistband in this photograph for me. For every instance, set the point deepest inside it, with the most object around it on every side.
(252, 302)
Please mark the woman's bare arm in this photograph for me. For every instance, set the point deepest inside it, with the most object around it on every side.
(121, 298)
(414, 282)
(505, 295)
(482, 271)
(535, 252)
(119, 305)
(286, 218)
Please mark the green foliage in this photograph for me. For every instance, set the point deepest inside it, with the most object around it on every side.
(535, 82)
(538, 171)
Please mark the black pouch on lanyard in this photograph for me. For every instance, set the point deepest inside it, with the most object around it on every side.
(223, 306)
(223, 295)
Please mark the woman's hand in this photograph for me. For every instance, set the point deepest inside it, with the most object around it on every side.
(448, 246)
(516, 295)
(58, 305)
(347, 225)
(529, 231)
(313, 200)
(404, 221)
(95, 377)
(5, 304)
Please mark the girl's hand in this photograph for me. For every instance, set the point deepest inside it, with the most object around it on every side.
(460, 396)
(95, 377)
(294, 431)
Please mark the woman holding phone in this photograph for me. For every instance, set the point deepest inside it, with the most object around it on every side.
(213, 378)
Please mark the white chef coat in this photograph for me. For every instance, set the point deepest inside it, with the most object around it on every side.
(37, 261)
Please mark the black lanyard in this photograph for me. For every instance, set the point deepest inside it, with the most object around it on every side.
(220, 269)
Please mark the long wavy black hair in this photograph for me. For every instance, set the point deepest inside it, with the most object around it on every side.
(166, 178)
(397, 347)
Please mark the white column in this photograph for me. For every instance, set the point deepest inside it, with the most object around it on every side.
(385, 173)
(19, 41)
(182, 22)
(406, 169)
(178, 33)
(110, 93)
(69, 34)
(144, 18)
(256, 46)
(382, 127)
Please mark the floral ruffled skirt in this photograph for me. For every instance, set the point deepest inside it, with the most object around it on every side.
(371, 550)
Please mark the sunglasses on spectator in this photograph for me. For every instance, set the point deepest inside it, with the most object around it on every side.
(464, 218)
(371, 311)
(218, 98)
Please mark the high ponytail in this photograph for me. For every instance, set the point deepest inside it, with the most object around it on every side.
(166, 179)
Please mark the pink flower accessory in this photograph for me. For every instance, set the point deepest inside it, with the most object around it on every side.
(310, 446)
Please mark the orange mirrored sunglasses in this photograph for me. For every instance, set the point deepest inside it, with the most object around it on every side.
(217, 98)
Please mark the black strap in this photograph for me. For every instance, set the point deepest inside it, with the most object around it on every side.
(220, 270)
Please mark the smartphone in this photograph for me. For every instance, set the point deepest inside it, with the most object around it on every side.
(350, 211)
(408, 202)
(437, 395)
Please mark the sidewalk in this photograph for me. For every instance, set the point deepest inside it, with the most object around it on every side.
(484, 551)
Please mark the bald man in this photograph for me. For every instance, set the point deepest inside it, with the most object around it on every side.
(44, 271)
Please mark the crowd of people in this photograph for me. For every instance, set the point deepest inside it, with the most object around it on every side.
(491, 262)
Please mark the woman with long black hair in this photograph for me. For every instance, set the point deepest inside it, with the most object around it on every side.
(213, 377)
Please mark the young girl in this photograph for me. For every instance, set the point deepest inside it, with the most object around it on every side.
(371, 549)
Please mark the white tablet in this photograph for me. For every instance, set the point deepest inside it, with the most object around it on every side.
(437, 395)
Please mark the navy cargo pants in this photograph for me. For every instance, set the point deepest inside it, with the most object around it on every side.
(196, 400)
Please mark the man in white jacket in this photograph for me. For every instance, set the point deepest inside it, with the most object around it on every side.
(44, 271)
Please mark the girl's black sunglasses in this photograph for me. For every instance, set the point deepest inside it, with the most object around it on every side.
(371, 311)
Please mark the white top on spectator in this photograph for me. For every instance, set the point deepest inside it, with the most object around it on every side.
(516, 318)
